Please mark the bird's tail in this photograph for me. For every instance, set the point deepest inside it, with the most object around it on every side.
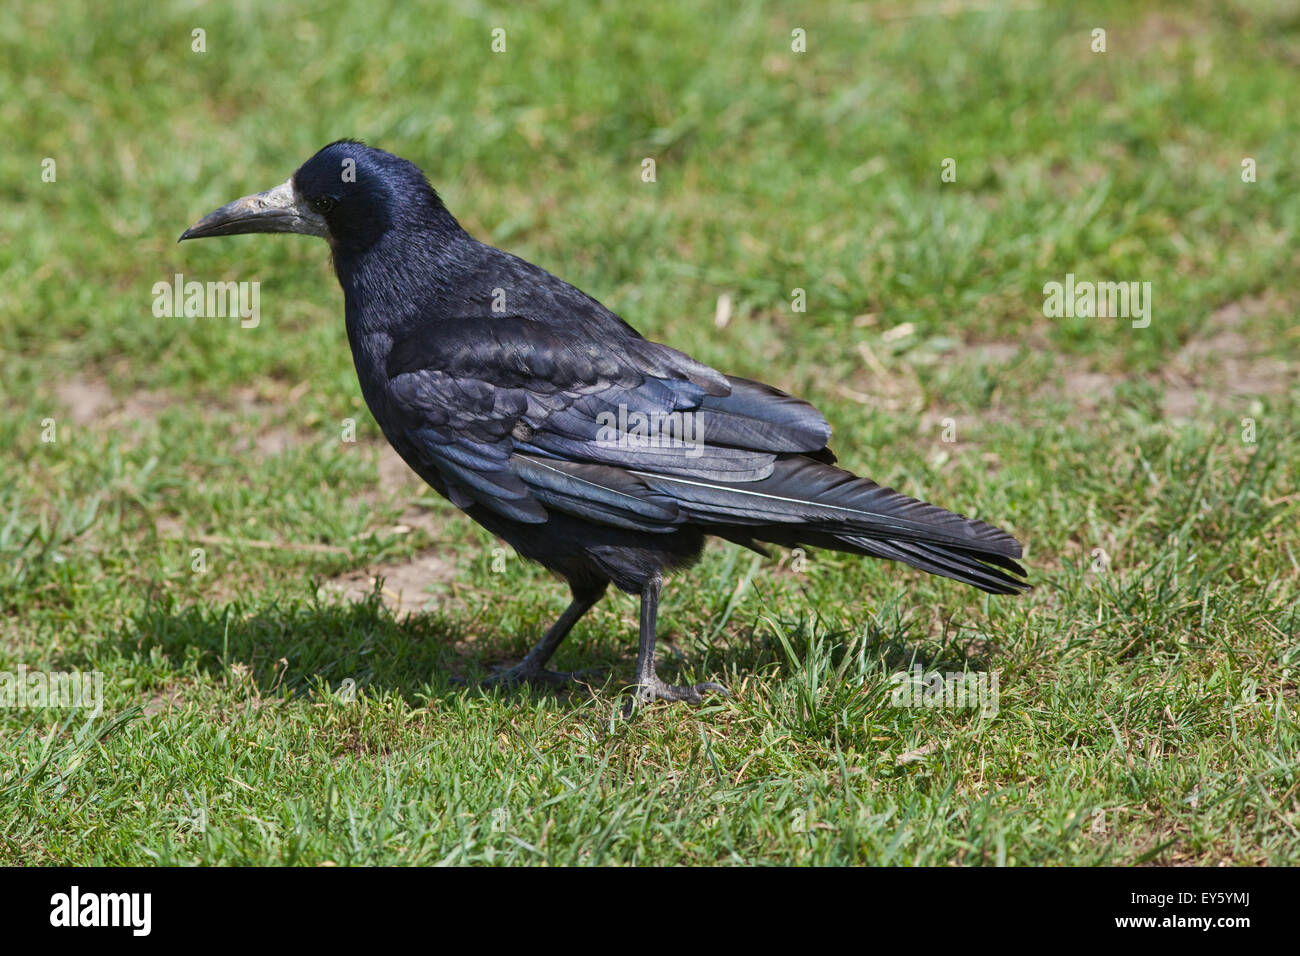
(807, 502)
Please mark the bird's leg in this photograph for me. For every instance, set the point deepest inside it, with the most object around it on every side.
(532, 669)
(648, 686)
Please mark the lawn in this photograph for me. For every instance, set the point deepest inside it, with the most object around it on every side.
(290, 628)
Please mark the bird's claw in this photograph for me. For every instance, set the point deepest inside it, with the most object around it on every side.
(655, 689)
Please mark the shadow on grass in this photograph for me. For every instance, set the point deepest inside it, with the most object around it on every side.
(292, 647)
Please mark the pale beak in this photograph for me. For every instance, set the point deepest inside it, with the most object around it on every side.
(276, 210)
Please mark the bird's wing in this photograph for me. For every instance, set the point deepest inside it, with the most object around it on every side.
(523, 417)
(520, 416)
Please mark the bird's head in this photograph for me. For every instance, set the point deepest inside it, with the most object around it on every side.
(348, 193)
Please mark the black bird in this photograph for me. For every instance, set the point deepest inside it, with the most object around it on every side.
(551, 422)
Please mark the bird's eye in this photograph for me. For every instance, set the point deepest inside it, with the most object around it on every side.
(322, 204)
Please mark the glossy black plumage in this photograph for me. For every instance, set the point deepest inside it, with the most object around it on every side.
(496, 382)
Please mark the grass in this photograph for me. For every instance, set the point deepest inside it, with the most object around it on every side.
(199, 534)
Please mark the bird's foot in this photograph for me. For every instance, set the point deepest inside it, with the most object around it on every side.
(655, 689)
(525, 673)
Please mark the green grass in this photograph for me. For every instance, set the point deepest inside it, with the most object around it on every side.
(1147, 705)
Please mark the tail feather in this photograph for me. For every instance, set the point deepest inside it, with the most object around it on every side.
(801, 491)
(961, 564)
(806, 502)
(956, 563)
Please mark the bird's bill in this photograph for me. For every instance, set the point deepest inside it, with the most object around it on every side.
(277, 210)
